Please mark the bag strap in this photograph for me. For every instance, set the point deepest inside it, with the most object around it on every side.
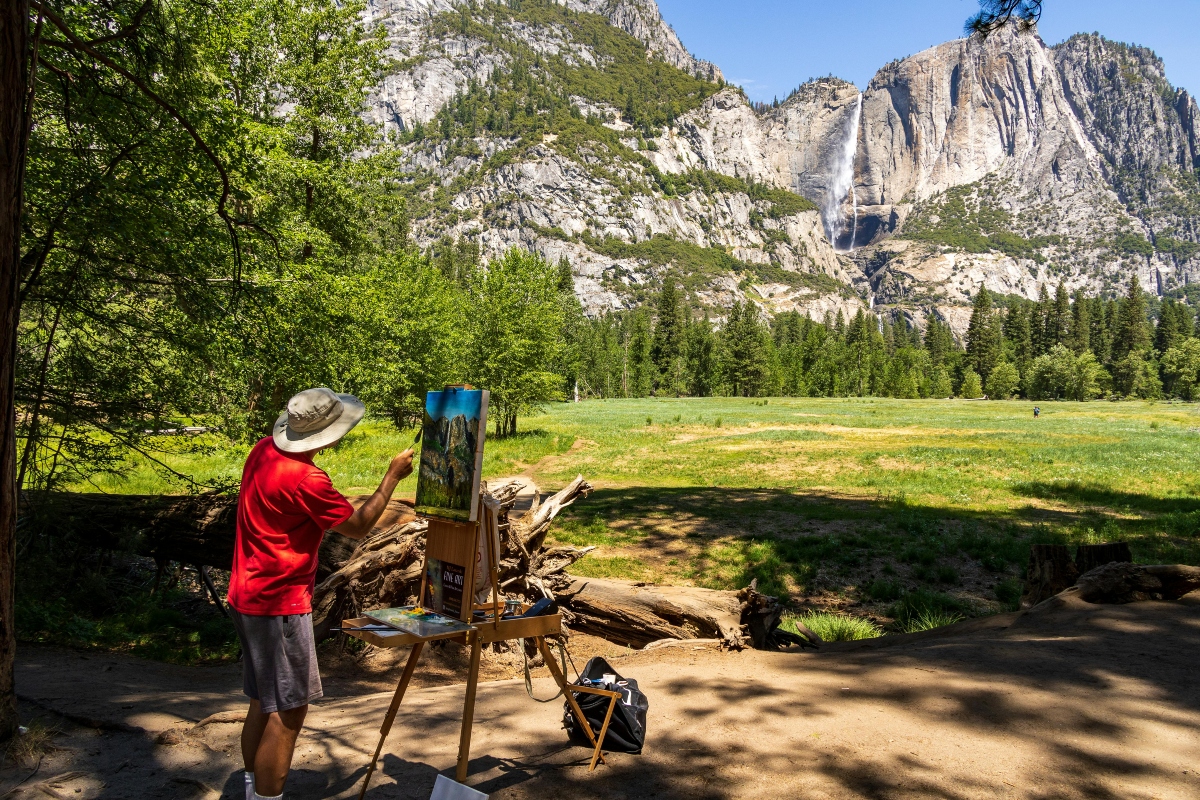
(562, 656)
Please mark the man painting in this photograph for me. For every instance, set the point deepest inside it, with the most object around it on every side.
(285, 506)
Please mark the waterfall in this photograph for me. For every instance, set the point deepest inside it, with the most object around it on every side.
(842, 183)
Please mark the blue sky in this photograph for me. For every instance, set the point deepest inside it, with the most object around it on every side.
(771, 46)
(451, 404)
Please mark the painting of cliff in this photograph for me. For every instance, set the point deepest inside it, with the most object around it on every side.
(452, 454)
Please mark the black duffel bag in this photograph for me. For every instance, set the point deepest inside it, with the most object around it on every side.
(627, 728)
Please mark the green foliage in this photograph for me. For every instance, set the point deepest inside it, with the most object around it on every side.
(972, 386)
(1061, 375)
(921, 610)
(1003, 382)
(516, 322)
(833, 627)
(697, 266)
(1132, 244)
(965, 218)
(984, 335)
(1181, 366)
(531, 95)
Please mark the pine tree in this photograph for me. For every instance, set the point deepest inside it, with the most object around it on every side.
(1059, 327)
(566, 280)
(1081, 324)
(1132, 334)
(1039, 324)
(744, 351)
(1111, 323)
(983, 335)
(667, 345)
(1018, 333)
(1174, 326)
(1101, 339)
(640, 367)
(700, 362)
(939, 341)
(858, 343)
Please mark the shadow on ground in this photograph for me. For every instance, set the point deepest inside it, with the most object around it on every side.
(1069, 701)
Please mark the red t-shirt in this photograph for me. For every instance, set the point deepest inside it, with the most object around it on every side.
(285, 506)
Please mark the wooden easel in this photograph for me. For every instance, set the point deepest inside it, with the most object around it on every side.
(451, 542)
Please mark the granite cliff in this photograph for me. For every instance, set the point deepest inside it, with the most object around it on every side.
(583, 129)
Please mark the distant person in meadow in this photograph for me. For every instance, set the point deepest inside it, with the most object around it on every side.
(285, 506)
(1037, 412)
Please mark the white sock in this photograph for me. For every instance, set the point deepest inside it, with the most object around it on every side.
(258, 796)
(250, 785)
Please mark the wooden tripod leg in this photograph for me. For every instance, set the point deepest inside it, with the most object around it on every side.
(566, 689)
(391, 713)
(612, 703)
(464, 739)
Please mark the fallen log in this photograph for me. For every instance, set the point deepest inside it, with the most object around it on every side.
(198, 530)
(637, 614)
(1119, 582)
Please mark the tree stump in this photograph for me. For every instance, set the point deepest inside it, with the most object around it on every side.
(1090, 556)
(1051, 570)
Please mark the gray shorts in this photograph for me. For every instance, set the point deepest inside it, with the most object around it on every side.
(279, 660)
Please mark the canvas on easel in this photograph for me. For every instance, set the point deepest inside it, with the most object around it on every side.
(451, 463)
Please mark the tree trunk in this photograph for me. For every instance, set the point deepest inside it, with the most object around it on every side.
(636, 614)
(14, 94)
(1090, 556)
(1051, 570)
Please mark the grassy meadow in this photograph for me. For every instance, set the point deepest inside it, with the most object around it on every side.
(896, 510)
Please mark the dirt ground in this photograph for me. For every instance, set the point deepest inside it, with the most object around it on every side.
(1069, 701)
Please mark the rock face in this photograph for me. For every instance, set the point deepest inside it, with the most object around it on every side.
(642, 20)
(963, 110)
(1076, 163)
(1146, 132)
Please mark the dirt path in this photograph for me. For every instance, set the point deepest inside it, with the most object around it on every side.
(1075, 702)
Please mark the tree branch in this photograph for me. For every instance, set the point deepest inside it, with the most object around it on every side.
(995, 14)
(74, 42)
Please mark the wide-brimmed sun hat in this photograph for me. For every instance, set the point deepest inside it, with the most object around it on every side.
(316, 418)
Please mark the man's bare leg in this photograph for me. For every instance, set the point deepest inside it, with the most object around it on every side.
(252, 731)
(276, 742)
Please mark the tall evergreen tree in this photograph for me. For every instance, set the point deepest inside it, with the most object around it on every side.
(744, 342)
(1081, 324)
(939, 341)
(640, 369)
(983, 335)
(1020, 337)
(699, 344)
(1040, 323)
(1059, 327)
(1174, 326)
(667, 345)
(1132, 330)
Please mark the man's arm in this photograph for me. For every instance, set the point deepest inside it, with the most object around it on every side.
(366, 515)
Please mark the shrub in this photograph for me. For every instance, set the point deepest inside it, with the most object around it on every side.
(928, 620)
(833, 627)
(972, 387)
(884, 590)
(921, 607)
(1009, 593)
(1003, 382)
